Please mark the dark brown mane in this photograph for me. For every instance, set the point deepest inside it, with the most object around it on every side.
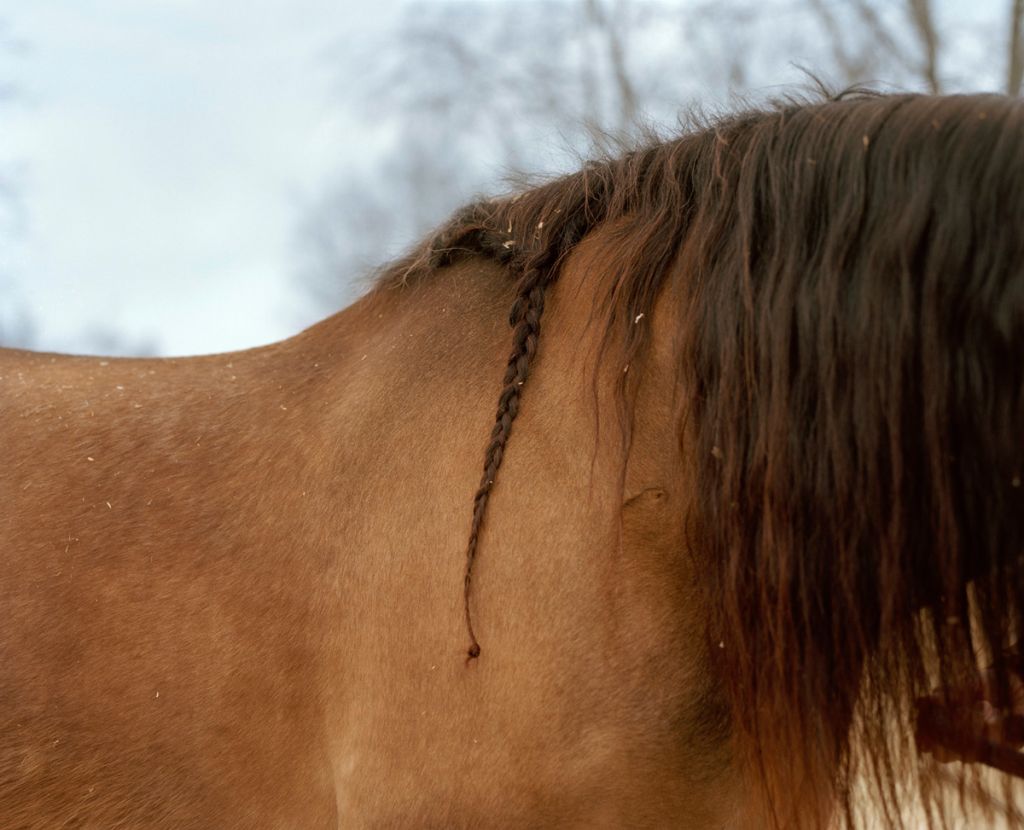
(852, 342)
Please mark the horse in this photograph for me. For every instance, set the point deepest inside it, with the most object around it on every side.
(753, 557)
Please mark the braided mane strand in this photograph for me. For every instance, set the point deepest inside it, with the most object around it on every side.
(851, 327)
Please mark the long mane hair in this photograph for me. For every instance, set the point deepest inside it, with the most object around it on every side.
(852, 346)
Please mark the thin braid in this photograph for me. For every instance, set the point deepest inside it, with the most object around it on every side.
(525, 320)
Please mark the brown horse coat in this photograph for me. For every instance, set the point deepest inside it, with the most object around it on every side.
(231, 600)
(231, 591)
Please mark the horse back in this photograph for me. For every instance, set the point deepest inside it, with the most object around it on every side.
(149, 504)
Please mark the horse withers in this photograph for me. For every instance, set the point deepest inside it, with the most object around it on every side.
(762, 500)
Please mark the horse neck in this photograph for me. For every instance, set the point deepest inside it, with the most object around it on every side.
(415, 374)
(586, 606)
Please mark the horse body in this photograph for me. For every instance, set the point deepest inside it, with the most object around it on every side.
(146, 595)
(236, 608)
(763, 497)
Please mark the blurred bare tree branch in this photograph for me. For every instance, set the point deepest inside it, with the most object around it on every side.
(614, 34)
(476, 91)
(924, 24)
(1015, 64)
(870, 41)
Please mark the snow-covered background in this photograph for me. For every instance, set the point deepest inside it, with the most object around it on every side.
(184, 176)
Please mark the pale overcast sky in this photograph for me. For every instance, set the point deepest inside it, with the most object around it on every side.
(165, 149)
